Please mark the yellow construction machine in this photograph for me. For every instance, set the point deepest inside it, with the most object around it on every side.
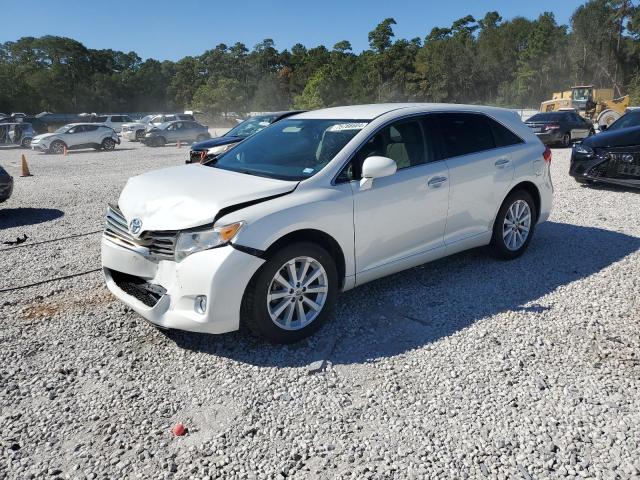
(596, 104)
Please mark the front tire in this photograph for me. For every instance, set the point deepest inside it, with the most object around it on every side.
(292, 294)
(26, 143)
(139, 135)
(160, 142)
(514, 226)
(566, 140)
(108, 144)
(57, 147)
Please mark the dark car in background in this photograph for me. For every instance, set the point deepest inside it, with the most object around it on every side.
(6, 185)
(238, 133)
(173, 132)
(560, 128)
(611, 157)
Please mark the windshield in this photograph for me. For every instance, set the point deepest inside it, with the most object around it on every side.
(581, 94)
(63, 129)
(546, 117)
(251, 126)
(626, 121)
(290, 149)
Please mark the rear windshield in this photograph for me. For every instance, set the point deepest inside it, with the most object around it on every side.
(546, 117)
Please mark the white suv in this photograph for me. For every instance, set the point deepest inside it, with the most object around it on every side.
(321, 202)
(112, 121)
(76, 136)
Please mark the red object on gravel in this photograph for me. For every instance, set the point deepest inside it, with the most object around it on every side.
(179, 429)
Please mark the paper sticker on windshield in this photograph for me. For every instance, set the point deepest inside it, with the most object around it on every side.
(340, 127)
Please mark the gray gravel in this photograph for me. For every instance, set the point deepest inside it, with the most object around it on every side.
(464, 368)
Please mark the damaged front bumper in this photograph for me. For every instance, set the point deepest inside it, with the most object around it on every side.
(616, 167)
(166, 292)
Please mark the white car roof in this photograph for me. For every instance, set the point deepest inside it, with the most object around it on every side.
(369, 112)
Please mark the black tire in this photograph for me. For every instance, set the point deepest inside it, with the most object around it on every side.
(139, 135)
(566, 140)
(159, 142)
(26, 142)
(108, 144)
(498, 247)
(254, 313)
(201, 138)
(592, 132)
(57, 147)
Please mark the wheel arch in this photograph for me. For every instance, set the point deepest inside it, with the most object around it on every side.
(532, 190)
(318, 237)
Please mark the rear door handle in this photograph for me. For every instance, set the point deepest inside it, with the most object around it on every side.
(436, 182)
(501, 163)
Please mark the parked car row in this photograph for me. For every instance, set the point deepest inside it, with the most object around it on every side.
(216, 146)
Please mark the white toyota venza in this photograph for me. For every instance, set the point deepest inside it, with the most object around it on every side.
(266, 235)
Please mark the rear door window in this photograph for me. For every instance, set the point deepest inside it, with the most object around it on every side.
(464, 133)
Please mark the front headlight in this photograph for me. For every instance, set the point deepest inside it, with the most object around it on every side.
(197, 241)
(220, 149)
(583, 149)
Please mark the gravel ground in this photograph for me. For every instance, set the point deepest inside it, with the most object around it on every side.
(463, 368)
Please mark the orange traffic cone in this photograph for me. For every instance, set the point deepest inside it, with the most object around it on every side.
(25, 168)
(179, 145)
(64, 151)
(203, 155)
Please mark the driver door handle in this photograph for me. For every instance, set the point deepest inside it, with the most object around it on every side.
(436, 182)
(501, 163)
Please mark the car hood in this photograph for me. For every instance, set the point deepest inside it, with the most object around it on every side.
(43, 136)
(134, 124)
(190, 196)
(617, 138)
(215, 142)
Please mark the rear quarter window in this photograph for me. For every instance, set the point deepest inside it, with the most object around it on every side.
(465, 133)
(503, 136)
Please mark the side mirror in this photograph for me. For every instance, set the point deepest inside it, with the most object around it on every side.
(603, 127)
(376, 167)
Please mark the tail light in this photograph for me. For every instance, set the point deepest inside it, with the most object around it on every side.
(547, 155)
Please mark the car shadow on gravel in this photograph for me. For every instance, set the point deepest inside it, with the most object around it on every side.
(417, 307)
(20, 217)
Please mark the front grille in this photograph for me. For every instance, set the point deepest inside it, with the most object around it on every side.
(617, 164)
(156, 245)
(138, 288)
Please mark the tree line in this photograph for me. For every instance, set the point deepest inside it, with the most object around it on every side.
(490, 60)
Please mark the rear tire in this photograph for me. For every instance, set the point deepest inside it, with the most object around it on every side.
(201, 138)
(25, 143)
(566, 140)
(139, 135)
(290, 311)
(514, 226)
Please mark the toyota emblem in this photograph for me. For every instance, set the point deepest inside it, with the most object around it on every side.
(135, 226)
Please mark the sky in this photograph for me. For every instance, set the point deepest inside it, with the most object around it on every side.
(173, 29)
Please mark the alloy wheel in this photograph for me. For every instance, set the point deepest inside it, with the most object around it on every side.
(297, 293)
(516, 225)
